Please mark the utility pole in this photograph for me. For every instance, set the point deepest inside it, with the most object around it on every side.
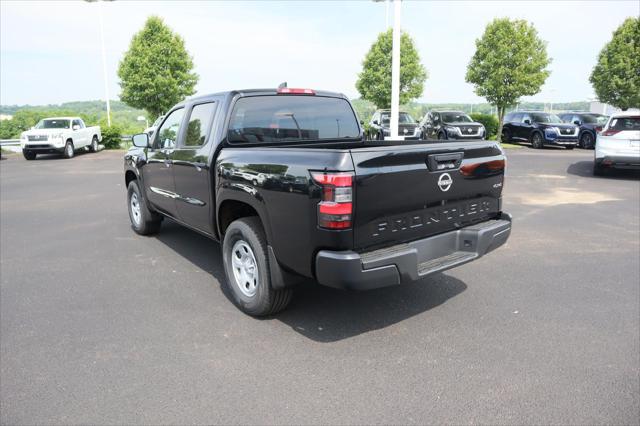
(395, 71)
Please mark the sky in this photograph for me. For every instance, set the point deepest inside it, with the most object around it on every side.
(50, 51)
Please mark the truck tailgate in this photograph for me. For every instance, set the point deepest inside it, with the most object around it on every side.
(405, 192)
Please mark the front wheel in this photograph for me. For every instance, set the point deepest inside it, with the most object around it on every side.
(143, 221)
(246, 266)
(536, 141)
(29, 155)
(94, 144)
(586, 140)
(441, 136)
(69, 151)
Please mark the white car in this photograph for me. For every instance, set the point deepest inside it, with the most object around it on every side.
(62, 135)
(618, 144)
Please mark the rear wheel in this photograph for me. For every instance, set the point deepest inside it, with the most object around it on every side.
(586, 140)
(506, 136)
(69, 151)
(143, 221)
(29, 155)
(244, 254)
(94, 144)
(536, 140)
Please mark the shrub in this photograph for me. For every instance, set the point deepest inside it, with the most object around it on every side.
(489, 121)
(111, 136)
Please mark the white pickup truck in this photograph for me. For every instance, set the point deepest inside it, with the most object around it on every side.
(62, 135)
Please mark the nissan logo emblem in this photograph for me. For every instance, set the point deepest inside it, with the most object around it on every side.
(445, 182)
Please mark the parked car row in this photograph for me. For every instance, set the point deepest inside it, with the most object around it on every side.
(440, 125)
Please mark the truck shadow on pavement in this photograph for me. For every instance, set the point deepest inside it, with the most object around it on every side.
(321, 313)
(585, 169)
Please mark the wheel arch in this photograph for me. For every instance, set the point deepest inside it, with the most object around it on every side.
(230, 209)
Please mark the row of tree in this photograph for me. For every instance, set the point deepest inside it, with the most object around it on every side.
(510, 62)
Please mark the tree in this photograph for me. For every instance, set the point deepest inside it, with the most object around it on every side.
(156, 72)
(510, 62)
(374, 82)
(616, 76)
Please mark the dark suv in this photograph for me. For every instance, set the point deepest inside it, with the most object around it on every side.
(451, 125)
(590, 125)
(380, 122)
(539, 129)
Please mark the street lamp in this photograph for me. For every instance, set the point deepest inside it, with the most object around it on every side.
(104, 59)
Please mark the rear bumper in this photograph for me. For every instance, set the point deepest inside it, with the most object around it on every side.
(619, 161)
(411, 261)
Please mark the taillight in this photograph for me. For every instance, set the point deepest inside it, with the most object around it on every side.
(609, 132)
(335, 210)
(292, 91)
(486, 168)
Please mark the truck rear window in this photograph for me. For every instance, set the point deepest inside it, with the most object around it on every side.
(284, 118)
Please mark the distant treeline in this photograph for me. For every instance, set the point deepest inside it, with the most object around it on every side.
(126, 118)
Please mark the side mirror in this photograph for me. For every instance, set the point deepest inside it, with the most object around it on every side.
(376, 122)
(141, 140)
(577, 122)
(76, 127)
(527, 121)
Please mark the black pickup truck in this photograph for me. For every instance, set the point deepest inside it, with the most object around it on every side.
(286, 181)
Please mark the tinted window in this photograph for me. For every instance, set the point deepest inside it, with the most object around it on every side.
(594, 118)
(403, 118)
(546, 118)
(625, 123)
(168, 133)
(282, 118)
(199, 124)
(525, 117)
(456, 117)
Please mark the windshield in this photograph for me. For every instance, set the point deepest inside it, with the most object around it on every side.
(53, 124)
(280, 118)
(545, 118)
(403, 118)
(456, 117)
(625, 123)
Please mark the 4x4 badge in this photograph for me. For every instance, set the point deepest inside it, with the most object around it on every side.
(445, 182)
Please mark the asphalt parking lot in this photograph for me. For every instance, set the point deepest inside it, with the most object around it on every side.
(99, 325)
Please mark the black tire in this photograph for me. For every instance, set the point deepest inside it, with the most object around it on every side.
(29, 155)
(587, 141)
(536, 140)
(259, 299)
(442, 136)
(94, 144)
(69, 150)
(145, 222)
(506, 136)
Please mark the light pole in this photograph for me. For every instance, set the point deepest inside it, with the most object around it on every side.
(104, 58)
(395, 71)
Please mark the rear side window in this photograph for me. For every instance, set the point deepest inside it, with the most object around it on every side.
(287, 118)
(625, 123)
(199, 124)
